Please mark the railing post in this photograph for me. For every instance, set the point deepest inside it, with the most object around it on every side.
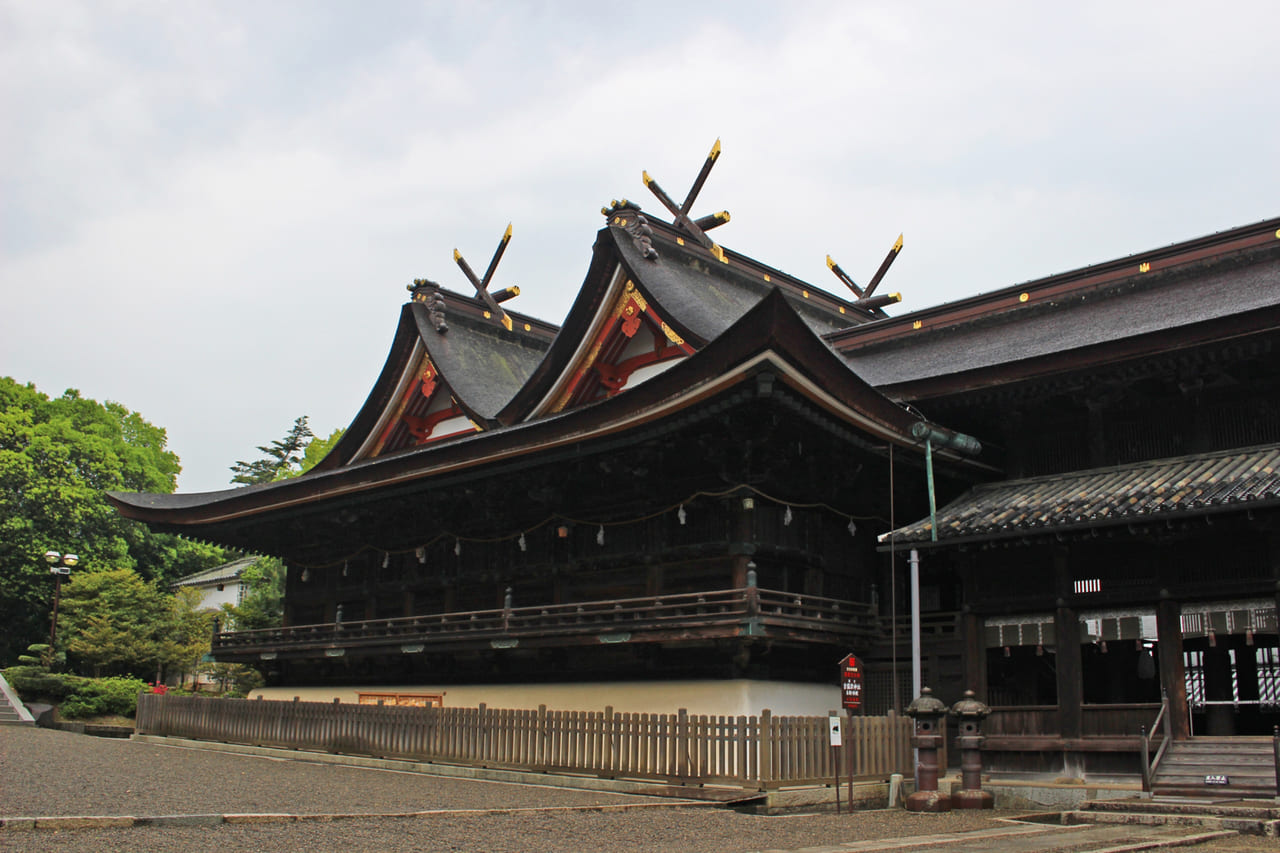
(1275, 753)
(1145, 758)
(682, 743)
(609, 756)
(764, 748)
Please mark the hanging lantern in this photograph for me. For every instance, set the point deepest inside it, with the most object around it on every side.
(600, 535)
(457, 547)
(386, 559)
(346, 567)
(786, 518)
(524, 546)
(421, 553)
(853, 528)
(682, 515)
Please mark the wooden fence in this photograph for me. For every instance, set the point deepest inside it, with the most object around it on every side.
(756, 752)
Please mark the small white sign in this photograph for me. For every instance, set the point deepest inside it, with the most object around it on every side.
(834, 724)
(1217, 779)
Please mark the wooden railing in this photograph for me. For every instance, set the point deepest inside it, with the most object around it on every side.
(755, 752)
(1150, 764)
(736, 612)
(1118, 720)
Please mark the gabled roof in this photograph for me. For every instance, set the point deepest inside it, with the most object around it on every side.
(768, 350)
(1210, 288)
(223, 574)
(697, 295)
(1138, 493)
(477, 362)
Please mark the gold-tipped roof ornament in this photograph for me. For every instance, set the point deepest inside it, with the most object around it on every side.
(696, 228)
(482, 284)
(864, 298)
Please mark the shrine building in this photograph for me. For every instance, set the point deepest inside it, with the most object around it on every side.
(706, 486)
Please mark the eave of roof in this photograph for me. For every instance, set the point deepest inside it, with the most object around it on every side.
(770, 338)
(1176, 288)
(1137, 493)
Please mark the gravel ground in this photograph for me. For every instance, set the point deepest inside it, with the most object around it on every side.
(45, 773)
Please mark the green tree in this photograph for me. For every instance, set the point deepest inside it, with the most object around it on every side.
(318, 449)
(58, 458)
(282, 457)
(186, 633)
(263, 604)
(116, 622)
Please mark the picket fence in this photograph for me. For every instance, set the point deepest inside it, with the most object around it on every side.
(755, 752)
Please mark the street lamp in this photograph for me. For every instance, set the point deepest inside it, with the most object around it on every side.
(59, 565)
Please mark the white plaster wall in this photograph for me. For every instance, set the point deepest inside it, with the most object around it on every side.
(212, 598)
(732, 698)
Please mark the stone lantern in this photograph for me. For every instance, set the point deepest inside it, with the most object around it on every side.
(928, 712)
(970, 713)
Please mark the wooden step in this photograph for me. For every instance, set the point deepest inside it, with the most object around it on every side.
(1248, 763)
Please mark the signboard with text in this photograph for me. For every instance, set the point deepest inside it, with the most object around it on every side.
(851, 683)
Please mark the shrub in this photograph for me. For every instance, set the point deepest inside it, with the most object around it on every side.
(36, 684)
(99, 696)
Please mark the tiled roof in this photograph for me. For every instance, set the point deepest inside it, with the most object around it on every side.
(1123, 494)
(225, 573)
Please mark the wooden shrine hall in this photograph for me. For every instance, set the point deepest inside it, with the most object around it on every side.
(712, 474)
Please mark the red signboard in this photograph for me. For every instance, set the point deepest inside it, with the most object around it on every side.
(851, 683)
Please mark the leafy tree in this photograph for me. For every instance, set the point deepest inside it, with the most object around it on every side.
(282, 457)
(263, 604)
(185, 633)
(114, 621)
(58, 458)
(317, 450)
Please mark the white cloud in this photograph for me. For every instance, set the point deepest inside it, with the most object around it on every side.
(211, 210)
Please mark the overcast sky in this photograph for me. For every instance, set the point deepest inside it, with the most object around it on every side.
(209, 211)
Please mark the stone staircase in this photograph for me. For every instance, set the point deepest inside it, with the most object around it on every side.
(1247, 817)
(12, 711)
(1243, 767)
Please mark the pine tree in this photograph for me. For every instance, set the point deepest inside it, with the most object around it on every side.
(282, 457)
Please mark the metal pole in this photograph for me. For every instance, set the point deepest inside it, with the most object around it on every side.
(914, 560)
(933, 501)
(53, 625)
(916, 680)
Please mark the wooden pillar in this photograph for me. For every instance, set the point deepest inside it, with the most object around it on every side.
(1070, 675)
(1173, 673)
(1070, 672)
(742, 512)
(653, 580)
(975, 653)
(1273, 557)
(1219, 719)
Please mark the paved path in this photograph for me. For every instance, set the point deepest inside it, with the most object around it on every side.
(143, 796)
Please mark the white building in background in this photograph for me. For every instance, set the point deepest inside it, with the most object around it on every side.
(219, 585)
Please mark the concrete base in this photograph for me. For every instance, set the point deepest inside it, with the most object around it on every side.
(866, 796)
(729, 697)
(1060, 796)
(963, 799)
(929, 801)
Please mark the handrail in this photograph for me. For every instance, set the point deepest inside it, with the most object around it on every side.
(1149, 764)
(719, 607)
